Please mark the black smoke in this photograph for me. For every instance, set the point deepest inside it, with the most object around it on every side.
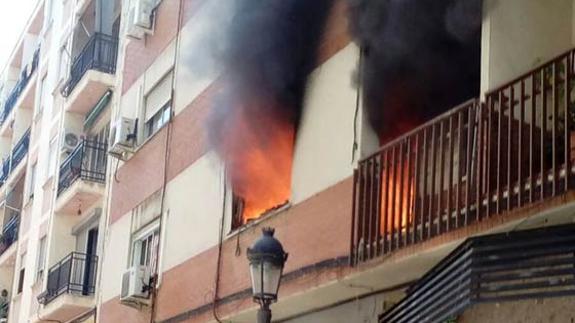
(419, 58)
(270, 49)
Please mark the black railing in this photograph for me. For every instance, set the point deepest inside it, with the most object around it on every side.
(10, 231)
(496, 268)
(100, 53)
(477, 161)
(18, 153)
(24, 79)
(5, 171)
(20, 150)
(87, 162)
(75, 274)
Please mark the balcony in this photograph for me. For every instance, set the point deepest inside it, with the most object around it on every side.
(9, 232)
(82, 177)
(21, 85)
(70, 287)
(480, 160)
(19, 152)
(91, 74)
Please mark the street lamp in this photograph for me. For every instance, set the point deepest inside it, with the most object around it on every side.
(267, 259)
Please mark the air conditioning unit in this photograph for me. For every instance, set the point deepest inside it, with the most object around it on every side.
(140, 20)
(71, 141)
(122, 138)
(135, 285)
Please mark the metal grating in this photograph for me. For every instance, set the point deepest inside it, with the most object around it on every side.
(495, 268)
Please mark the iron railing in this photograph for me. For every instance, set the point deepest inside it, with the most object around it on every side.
(100, 53)
(87, 162)
(9, 231)
(20, 150)
(18, 154)
(5, 169)
(477, 161)
(495, 268)
(23, 81)
(75, 274)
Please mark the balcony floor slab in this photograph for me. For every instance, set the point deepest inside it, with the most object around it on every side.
(78, 197)
(65, 307)
(88, 92)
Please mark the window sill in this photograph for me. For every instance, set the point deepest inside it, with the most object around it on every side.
(258, 221)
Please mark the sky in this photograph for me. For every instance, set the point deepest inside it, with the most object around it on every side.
(13, 17)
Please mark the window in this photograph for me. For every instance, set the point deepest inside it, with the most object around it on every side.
(52, 158)
(158, 105)
(40, 102)
(145, 248)
(22, 272)
(158, 120)
(41, 259)
(32, 180)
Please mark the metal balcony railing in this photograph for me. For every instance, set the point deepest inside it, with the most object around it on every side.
(20, 150)
(23, 81)
(100, 53)
(75, 274)
(18, 153)
(477, 161)
(86, 162)
(9, 232)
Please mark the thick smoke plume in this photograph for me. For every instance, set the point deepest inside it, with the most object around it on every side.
(420, 57)
(270, 50)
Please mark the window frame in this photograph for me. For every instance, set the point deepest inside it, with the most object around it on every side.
(146, 235)
(158, 120)
(21, 274)
(40, 265)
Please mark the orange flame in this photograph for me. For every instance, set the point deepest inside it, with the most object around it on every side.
(259, 152)
(397, 199)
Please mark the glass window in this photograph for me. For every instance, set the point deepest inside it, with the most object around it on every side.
(32, 180)
(21, 273)
(146, 249)
(158, 120)
(157, 107)
(41, 259)
(52, 158)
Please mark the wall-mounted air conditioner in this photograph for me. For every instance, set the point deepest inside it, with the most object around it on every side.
(122, 138)
(135, 285)
(71, 140)
(140, 18)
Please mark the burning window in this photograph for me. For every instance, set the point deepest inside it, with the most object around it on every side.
(260, 169)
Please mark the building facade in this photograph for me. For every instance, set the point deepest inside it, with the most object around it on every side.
(135, 176)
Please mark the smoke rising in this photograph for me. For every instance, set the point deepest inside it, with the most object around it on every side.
(270, 49)
(420, 58)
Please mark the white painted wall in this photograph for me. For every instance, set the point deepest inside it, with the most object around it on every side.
(323, 150)
(194, 204)
(519, 35)
(115, 261)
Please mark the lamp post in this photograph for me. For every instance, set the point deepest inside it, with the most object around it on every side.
(267, 258)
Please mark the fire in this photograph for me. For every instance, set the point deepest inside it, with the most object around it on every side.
(397, 199)
(258, 152)
(398, 193)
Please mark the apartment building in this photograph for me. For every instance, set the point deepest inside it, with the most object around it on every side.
(134, 178)
(57, 89)
(364, 212)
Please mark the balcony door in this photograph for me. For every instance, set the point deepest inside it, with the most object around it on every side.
(91, 262)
